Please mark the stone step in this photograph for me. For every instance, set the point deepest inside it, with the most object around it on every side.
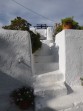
(48, 42)
(56, 90)
(45, 50)
(44, 59)
(70, 102)
(41, 68)
(49, 78)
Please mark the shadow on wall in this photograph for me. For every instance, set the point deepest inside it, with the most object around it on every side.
(55, 52)
(8, 83)
(43, 51)
(5, 47)
(69, 89)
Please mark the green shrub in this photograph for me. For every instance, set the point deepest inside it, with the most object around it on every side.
(35, 40)
(67, 20)
(58, 29)
(81, 78)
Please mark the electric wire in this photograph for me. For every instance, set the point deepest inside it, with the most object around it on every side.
(32, 11)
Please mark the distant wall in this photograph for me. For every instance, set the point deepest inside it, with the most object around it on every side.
(70, 44)
(15, 58)
(49, 33)
(45, 33)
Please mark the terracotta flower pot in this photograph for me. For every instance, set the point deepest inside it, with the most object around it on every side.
(24, 105)
(67, 26)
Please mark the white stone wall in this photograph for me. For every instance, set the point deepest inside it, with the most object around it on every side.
(60, 44)
(70, 44)
(45, 33)
(49, 33)
(15, 47)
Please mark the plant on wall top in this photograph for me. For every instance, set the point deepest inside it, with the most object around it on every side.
(70, 21)
(67, 21)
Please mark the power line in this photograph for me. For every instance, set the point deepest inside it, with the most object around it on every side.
(32, 11)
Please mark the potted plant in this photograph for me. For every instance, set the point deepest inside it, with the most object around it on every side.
(67, 23)
(81, 81)
(23, 97)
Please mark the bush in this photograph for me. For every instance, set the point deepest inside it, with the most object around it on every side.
(68, 20)
(58, 29)
(23, 97)
(35, 40)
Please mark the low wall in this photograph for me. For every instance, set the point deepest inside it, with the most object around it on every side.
(45, 33)
(15, 58)
(70, 43)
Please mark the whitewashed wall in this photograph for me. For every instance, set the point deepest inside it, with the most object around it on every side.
(49, 33)
(45, 33)
(60, 44)
(15, 45)
(70, 44)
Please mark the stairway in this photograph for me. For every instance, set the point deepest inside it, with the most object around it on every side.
(49, 81)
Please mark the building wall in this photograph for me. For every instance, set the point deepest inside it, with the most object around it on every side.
(60, 44)
(15, 58)
(45, 33)
(70, 44)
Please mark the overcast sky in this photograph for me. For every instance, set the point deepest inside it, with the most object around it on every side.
(54, 10)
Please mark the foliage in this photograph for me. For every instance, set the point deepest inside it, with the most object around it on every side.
(81, 78)
(58, 29)
(18, 24)
(81, 27)
(68, 20)
(21, 24)
(36, 43)
(23, 97)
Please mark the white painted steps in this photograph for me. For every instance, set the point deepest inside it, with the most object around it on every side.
(48, 42)
(50, 77)
(55, 90)
(50, 84)
(45, 50)
(71, 102)
(44, 59)
(41, 68)
(48, 80)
